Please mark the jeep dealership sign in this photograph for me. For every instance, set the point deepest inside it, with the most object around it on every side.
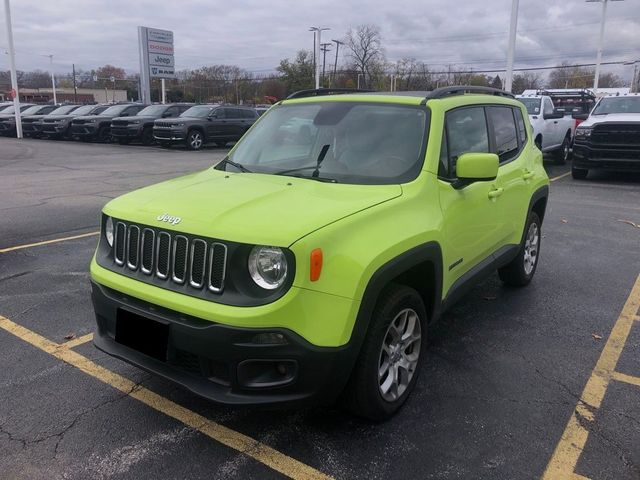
(156, 58)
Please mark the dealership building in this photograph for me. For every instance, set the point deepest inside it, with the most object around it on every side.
(83, 95)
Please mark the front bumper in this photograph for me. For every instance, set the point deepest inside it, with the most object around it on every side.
(168, 135)
(7, 128)
(226, 364)
(126, 133)
(623, 159)
(53, 129)
(84, 130)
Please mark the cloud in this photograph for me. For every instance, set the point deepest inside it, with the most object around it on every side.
(255, 34)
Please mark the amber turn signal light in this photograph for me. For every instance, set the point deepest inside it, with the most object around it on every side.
(316, 264)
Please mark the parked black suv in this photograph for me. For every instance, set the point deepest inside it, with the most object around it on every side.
(59, 125)
(31, 123)
(8, 120)
(98, 127)
(140, 126)
(205, 123)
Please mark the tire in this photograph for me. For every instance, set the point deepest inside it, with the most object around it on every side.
(398, 309)
(522, 268)
(195, 140)
(147, 136)
(562, 154)
(579, 173)
(103, 136)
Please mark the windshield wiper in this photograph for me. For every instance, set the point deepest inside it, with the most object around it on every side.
(316, 167)
(240, 167)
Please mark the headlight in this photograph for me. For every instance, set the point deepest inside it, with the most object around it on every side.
(91, 121)
(583, 132)
(134, 121)
(268, 267)
(177, 125)
(108, 231)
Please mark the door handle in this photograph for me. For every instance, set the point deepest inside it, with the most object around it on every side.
(527, 175)
(493, 194)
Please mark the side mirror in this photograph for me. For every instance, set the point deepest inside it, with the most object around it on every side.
(580, 116)
(475, 167)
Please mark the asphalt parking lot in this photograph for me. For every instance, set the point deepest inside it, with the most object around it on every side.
(517, 384)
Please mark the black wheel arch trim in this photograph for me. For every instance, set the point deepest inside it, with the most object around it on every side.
(430, 253)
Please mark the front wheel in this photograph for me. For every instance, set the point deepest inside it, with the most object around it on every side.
(389, 362)
(104, 135)
(195, 140)
(579, 173)
(562, 154)
(521, 269)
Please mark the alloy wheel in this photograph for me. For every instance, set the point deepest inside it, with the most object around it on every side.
(399, 354)
(531, 248)
(195, 140)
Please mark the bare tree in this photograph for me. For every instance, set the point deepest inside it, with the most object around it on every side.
(366, 52)
(526, 81)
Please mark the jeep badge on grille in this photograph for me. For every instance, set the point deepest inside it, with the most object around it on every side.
(165, 217)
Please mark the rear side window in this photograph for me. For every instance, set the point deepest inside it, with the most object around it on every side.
(247, 113)
(466, 132)
(504, 129)
(522, 129)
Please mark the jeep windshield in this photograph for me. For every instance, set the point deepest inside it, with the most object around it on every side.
(199, 111)
(345, 142)
(114, 111)
(63, 110)
(152, 110)
(532, 104)
(85, 110)
(617, 105)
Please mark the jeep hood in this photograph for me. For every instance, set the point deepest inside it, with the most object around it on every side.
(247, 207)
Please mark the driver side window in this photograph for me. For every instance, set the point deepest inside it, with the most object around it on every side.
(465, 132)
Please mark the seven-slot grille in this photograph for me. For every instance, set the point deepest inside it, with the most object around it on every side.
(163, 124)
(170, 256)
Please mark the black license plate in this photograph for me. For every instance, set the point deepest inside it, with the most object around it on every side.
(142, 334)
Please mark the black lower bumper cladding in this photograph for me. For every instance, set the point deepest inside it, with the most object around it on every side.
(233, 366)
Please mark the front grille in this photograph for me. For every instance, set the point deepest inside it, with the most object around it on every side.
(78, 122)
(170, 257)
(622, 134)
(163, 124)
(120, 122)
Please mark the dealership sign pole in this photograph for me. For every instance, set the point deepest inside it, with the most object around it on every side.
(12, 63)
(156, 59)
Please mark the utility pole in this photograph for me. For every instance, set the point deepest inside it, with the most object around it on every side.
(325, 49)
(316, 50)
(335, 65)
(12, 65)
(596, 78)
(75, 86)
(508, 81)
(312, 29)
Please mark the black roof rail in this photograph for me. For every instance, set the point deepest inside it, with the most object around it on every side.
(315, 92)
(443, 92)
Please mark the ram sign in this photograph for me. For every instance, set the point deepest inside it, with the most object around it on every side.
(156, 58)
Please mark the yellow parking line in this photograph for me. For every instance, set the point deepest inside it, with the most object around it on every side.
(77, 341)
(623, 377)
(559, 177)
(255, 449)
(568, 451)
(47, 242)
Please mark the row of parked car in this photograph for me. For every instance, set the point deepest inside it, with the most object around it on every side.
(165, 124)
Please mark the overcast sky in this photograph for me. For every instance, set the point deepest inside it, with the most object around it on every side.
(256, 34)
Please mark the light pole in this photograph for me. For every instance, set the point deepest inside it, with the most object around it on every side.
(53, 79)
(508, 80)
(12, 66)
(335, 65)
(596, 78)
(317, 43)
(325, 49)
(360, 75)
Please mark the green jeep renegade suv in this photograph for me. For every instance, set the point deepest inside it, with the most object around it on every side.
(309, 263)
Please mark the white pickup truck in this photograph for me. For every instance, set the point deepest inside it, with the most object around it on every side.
(552, 130)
